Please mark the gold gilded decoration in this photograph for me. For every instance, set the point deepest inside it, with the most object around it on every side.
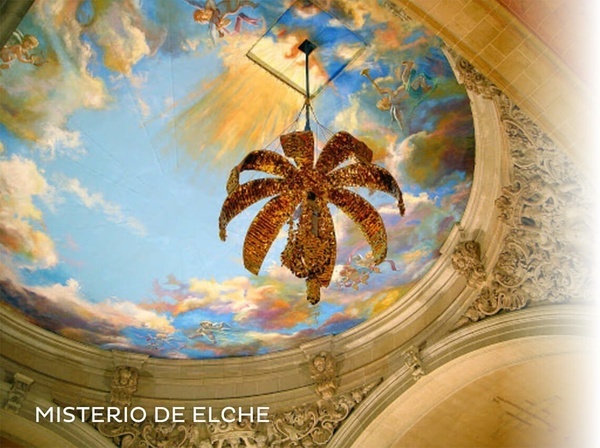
(308, 187)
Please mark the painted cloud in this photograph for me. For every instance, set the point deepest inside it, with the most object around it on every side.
(115, 153)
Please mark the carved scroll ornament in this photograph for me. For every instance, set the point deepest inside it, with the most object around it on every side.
(545, 257)
(310, 425)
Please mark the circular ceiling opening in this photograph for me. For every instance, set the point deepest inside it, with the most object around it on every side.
(119, 128)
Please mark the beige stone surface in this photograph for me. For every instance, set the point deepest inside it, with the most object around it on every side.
(517, 61)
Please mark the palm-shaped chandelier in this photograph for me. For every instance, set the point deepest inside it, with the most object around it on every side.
(301, 191)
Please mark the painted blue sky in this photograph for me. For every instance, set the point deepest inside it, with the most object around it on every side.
(116, 149)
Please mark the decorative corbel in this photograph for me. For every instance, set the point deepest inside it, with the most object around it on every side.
(467, 75)
(466, 260)
(125, 377)
(323, 371)
(412, 360)
(18, 392)
(123, 385)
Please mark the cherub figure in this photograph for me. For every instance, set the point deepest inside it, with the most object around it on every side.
(18, 48)
(209, 330)
(358, 270)
(215, 15)
(412, 84)
(323, 372)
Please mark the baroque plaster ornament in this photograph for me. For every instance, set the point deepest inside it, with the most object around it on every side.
(466, 260)
(238, 434)
(124, 384)
(545, 256)
(18, 392)
(323, 371)
(314, 424)
(471, 78)
(148, 434)
(310, 425)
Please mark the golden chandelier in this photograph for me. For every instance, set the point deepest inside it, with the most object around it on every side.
(308, 186)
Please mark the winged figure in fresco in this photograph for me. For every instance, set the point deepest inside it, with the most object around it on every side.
(209, 330)
(158, 341)
(216, 15)
(358, 270)
(19, 48)
(308, 187)
(412, 85)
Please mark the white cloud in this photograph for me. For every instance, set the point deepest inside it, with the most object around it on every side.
(118, 313)
(410, 201)
(96, 201)
(396, 154)
(143, 108)
(190, 44)
(55, 140)
(20, 219)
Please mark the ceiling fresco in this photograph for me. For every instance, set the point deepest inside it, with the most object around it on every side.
(121, 120)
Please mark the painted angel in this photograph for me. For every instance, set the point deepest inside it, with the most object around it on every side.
(209, 330)
(216, 15)
(412, 85)
(18, 48)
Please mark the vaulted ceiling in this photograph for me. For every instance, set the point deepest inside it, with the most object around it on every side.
(475, 331)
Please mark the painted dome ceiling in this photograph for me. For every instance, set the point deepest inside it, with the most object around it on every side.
(120, 124)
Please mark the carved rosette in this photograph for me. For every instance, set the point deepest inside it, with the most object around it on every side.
(546, 256)
(466, 260)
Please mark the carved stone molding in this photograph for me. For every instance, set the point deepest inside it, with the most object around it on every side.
(124, 384)
(18, 392)
(466, 260)
(470, 77)
(323, 371)
(412, 360)
(309, 425)
(546, 255)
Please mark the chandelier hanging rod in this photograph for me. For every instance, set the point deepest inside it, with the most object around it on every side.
(307, 47)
